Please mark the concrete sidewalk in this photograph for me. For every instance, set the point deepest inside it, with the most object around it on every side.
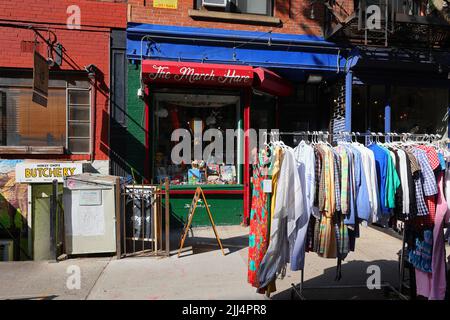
(202, 272)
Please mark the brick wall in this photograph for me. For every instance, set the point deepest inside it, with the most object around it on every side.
(89, 45)
(294, 14)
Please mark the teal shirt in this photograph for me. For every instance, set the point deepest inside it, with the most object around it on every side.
(392, 181)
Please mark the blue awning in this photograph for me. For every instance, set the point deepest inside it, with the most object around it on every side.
(293, 55)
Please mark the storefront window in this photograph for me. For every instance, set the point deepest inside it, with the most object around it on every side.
(413, 109)
(419, 110)
(196, 113)
(360, 116)
(376, 107)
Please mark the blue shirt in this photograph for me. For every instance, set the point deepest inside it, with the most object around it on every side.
(441, 160)
(381, 162)
(361, 191)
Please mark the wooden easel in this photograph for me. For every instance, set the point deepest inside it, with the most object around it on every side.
(198, 192)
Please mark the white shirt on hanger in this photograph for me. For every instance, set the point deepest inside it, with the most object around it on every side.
(404, 180)
(305, 160)
(368, 163)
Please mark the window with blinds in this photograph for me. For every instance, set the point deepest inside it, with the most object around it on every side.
(65, 122)
(25, 123)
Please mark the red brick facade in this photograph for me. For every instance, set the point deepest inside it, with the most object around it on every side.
(295, 16)
(89, 45)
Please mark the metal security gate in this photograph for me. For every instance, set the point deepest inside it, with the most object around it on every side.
(143, 214)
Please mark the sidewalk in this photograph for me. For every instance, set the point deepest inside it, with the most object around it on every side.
(202, 272)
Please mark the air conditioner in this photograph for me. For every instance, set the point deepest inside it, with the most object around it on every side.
(6, 250)
(214, 3)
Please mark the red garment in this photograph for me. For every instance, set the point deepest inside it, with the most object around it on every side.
(438, 277)
(431, 205)
(433, 285)
(432, 156)
(258, 225)
(430, 201)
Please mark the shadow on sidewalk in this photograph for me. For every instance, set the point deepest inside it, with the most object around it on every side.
(354, 273)
(200, 244)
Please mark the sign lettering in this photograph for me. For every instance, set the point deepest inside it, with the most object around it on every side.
(165, 4)
(202, 74)
(46, 172)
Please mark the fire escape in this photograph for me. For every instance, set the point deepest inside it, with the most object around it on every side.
(389, 23)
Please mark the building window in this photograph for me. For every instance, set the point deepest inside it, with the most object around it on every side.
(65, 122)
(25, 123)
(261, 7)
(78, 120)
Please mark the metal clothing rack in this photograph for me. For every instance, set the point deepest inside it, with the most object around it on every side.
(349, 136)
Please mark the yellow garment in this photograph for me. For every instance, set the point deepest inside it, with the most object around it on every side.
(330, 201)
(327, 233)
(278, 155)
(328, 238)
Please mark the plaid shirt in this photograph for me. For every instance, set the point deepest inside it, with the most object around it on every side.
(318, 168)
(341, 238)
(428, 179)
(322, 193)
(337, 180)
(413, 161)
(422, 209)
(432, 156)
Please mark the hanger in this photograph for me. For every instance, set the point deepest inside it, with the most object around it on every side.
(308, 133)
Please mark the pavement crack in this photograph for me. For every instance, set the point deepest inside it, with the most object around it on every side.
(96, 280)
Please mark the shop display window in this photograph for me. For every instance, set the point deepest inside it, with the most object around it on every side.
(418, 110)
(196, 113)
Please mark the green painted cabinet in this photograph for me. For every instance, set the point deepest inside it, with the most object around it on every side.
(226, 209)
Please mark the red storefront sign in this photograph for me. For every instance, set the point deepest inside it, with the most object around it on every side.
(169, 72)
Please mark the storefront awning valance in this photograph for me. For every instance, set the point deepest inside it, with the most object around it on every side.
(203, 74)
(270, 82)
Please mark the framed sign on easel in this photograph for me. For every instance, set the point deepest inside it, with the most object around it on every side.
(198, 193)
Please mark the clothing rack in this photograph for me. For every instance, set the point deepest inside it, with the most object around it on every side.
(344, 136)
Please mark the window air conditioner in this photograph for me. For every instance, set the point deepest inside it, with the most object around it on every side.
(214, 3)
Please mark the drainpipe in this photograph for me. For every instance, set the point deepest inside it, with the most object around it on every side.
(348, 100)
(93, 117)
(387, 111)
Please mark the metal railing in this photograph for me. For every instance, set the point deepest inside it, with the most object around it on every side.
(143, 209)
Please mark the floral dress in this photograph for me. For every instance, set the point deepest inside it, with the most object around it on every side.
(258, 224)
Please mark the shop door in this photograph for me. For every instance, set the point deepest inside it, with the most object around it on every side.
(41, 226)
(41, 232)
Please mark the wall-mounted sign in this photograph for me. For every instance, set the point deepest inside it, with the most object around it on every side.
(40, 79)
(27, 172)
(165, 4)
(197, 73)
(90, 197)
